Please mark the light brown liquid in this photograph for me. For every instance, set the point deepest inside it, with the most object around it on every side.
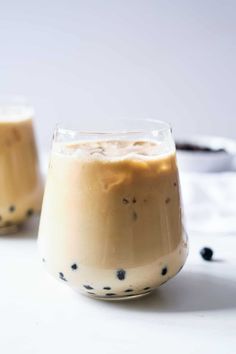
(20, 182)
(106, 214)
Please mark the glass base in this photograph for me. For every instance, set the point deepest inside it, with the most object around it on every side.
(11, 229)
(118, 298)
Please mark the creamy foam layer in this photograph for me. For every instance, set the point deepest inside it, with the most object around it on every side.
(114, 149)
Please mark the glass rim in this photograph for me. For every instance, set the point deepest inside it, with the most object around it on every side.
(14, 108)
(163, 127)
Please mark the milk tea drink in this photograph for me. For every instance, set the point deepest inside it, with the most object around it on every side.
(20, 180)
(111, 223)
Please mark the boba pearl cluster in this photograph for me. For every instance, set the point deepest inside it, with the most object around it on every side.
(119, 275)
(121, 283)
(9, 217)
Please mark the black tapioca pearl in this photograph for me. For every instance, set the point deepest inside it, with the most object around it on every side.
(74, 266)
(135, 216)
(147, 288)
(88, 287)
(167, 200)
(61, 276)
(29, 212)
(206, 253)
(12, 208)
(164, 271)
(125, 201)
(120, 273)
(110, 294)
(134, 200)
(175, 184)
(128, 290)
(107, 288)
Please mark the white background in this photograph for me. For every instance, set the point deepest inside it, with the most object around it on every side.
(173, 60)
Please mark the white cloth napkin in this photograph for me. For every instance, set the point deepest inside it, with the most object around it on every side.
(209, 201)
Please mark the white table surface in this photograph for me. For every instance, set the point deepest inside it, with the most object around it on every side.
(193, 313)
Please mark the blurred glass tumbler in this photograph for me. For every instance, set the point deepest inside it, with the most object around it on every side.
(20, 181)
(111, 223)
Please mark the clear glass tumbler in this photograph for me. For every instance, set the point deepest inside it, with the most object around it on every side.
(21, 187)
(111, 223)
